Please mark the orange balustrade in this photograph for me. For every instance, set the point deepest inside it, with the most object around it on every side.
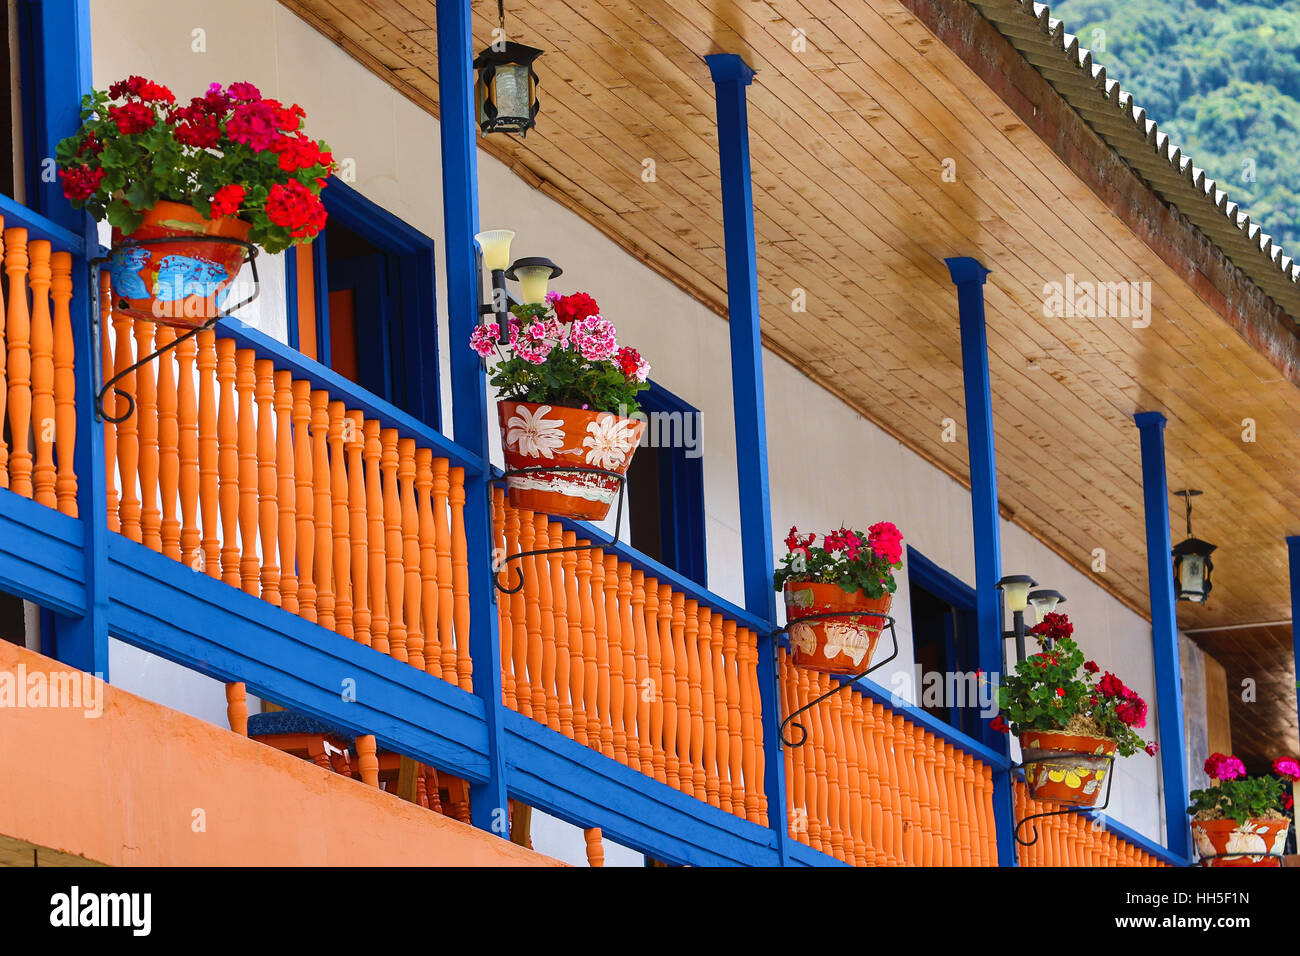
(621, 663)
(1073, 839)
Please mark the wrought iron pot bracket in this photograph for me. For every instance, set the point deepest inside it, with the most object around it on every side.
(250, 258)
(1239, 853)
(590, 546)
(1065, 755)
(845, 682)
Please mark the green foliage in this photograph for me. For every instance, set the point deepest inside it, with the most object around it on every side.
(1222, 78)
(1239, 799)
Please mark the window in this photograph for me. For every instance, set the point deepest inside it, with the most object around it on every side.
(945, 644)
(665, 486)
(364, 293)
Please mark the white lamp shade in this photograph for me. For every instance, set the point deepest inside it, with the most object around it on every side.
(533, 282)
(1017, 593)
(495, 246)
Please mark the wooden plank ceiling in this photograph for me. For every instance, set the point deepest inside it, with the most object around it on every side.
(850, 139)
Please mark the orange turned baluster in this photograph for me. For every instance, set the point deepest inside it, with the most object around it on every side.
(304, 500)
(590, 655)
(945, 807)
(286, 491)
(377, 560)
(814, 785)
(65, 387)
(851, 794)
(268, 507)
(358, 528)
(517, 528)
(429, 573)
(614, 640)
(868, 828)
(573, 624)
(644, 690)
(4, 388)
(410, 552)
(983, 812)
(685, 768)
(209, 453)
(795, 814)
(322, 511)
(722, 753)
(631, 692)
(595, 848)
(395, 576)
(661, 620)
(504, 626)
(18, 341)
(829, 713)
(42, 376)
(340, 426)
(735, 783)
(187, 412)
(227, 464)
(655, 675)
(169, 447)
(246, 380)
(128, 441)
(532, 659)
(694, 672)
(960, 788)
(708, 694)
(446, 598)
(460, 579)
(559, 608)
(368, 759)
(747, 665)
(886, 828)
(601, 651)
(146, 396)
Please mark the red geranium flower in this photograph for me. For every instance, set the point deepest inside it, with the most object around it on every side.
(227, 199)
(253, 124)
(132, 118)
(1091, 667)
(998, 724)
(245, 92)
(1224, 767)
(141, 88)
(886, 541)
(574, 308)
(296, 152)
(295, 208)
(1287, 767)
(202, 131)
(1111, 685)
(81, 182)
(1152, 748)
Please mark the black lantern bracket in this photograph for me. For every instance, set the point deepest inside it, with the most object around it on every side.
(845, 682)
(590, 546)
(250, 259)
(1057, 756)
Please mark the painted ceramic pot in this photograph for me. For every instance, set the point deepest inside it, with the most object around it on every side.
(181, 284)
(538, 435)
(1054, 777)
(835, 645)
(1225, 839)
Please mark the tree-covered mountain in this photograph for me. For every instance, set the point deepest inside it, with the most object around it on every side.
(1222, 79)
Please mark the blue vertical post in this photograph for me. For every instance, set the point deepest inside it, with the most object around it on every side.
(969, 275)
(61, 74)
(1293, 552)
(730, 77)
(1164, 634)
(488, 806)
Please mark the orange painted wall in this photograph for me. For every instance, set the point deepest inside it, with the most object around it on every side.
(122, 789)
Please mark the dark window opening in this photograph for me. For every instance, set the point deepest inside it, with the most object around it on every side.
(945, 645)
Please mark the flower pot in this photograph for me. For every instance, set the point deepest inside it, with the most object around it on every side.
(1070, 780)
(833, 645)
(538, 435)
(1252, 839)
(181, 284)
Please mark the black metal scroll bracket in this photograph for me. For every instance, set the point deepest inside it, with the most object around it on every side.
(591, 546)
(1062, 755)
(845, 682)
(1239, 853)
(250, 258)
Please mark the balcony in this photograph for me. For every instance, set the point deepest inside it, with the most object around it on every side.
(263, 521)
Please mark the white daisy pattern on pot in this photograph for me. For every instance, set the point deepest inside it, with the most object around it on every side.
(534, 435)
(611, 440)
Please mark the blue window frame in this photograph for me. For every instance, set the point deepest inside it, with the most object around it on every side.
(379, 273)
(944, 638)
(665, 486)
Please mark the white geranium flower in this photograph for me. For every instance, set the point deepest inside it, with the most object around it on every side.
(532, 434)
(610, 442)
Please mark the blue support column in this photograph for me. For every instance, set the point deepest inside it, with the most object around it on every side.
(488, 806)
(730, 77)
(1164, 634)
(969, 275)
(1293, 552)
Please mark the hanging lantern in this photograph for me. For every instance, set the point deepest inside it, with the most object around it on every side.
(1192, 564)
(505, 88)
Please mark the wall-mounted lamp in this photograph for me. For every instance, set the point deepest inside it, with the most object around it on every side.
(1044, 601)
(1192, 564)
(505, 85)
(1016, 589)
(533, 273)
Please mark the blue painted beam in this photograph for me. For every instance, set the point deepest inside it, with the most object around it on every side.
(457, 129)
(1164, 634)
(197, 621)
(41, 557)
(969, 276)
(731, 75)
(565, 779)
(1293, 552)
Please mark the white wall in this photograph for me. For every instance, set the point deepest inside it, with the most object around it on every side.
(828, 465)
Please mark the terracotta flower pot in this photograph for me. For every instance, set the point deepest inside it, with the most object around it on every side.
(182, 284)
(1072, 781)
(537, 435)
(835, 645)
(1252, 839)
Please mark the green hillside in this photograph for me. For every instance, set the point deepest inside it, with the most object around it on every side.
(1222, 79)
